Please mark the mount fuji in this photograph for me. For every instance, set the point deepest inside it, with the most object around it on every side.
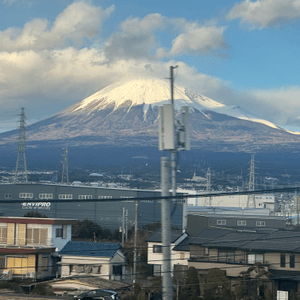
(125, 114)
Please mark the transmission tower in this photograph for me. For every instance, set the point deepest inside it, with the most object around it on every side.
(251, 186)
(21, 168)
(65, 169)
(208, 187)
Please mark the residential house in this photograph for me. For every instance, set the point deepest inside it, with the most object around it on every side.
(27, 245)
(155, 252)
(233, 251)
(105, 260)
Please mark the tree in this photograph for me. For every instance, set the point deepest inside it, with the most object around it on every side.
(253, 283)
(90, 230)
(217, 285)
(34, 214)
(191, 289)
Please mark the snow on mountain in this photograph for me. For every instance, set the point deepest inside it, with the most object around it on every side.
(156, 92)
(146, 92)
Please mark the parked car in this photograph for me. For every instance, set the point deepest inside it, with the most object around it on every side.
(98, 295)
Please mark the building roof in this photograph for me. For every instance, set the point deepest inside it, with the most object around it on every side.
(156, 237)
(29, 220)
(279, 241)
(90, 249)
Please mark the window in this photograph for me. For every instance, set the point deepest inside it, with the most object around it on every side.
(104, 197)
(157, 249)
(260, 223)
(65, 196)
(282, 260)
(45, 263)
(206, 251)
(241, 223)
(80, 268)
(82, 197)
(157, 270)
(7, 196)
(59, 232)
(226, 256)
(36, 236)
(221, 222)
(46, 196)
(25, 195)
(64, 231)
(292, 260)
(254, 258)
(3, 234)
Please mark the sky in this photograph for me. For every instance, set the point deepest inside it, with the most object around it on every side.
(243, 53)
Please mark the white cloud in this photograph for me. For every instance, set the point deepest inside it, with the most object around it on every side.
(77, 22)
(265, 13)
(137, 38)
(282, 105)
(196, 39)
(41, 71)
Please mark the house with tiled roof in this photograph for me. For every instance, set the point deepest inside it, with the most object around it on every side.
(105, 260)
(235, 251)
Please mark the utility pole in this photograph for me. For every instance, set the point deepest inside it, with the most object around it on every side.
(167, 289)
(123, 227)
(174, 151)
(135, 241)
(172, 137)
(21, 156)
(251, 187)
(126, 225)
(65, 169)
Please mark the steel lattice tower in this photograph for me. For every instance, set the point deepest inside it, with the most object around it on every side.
(21, 167)
(65, 169)
(208, 187)
(251, 186)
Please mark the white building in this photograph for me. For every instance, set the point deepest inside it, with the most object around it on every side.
(261, 201)
(155, 255)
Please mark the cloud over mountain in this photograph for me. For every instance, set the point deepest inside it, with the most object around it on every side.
(48, 64)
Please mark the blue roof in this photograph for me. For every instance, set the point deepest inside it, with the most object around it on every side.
(90, 249)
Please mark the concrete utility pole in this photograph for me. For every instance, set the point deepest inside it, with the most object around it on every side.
(172, 137)
(174, 151)
(166, 229)
(21, 157)
(123, 227)
(135, 241)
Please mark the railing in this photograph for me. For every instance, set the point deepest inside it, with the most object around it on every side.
(28, 243)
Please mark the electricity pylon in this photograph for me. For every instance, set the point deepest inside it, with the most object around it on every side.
(251, 186)
(21, 167)
(65, 169)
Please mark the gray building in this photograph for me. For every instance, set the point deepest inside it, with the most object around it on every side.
(107, 213)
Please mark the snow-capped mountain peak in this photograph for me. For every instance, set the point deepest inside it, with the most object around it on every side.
(145, 92)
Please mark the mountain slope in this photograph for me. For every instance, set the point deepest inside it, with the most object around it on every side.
(125, 113)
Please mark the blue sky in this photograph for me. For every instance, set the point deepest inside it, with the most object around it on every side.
(55, 53)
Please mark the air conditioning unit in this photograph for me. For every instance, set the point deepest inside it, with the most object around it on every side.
(30, 275)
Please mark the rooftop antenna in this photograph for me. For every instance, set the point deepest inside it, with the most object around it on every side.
(65, 169)
(251, 187)
(21, 176)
